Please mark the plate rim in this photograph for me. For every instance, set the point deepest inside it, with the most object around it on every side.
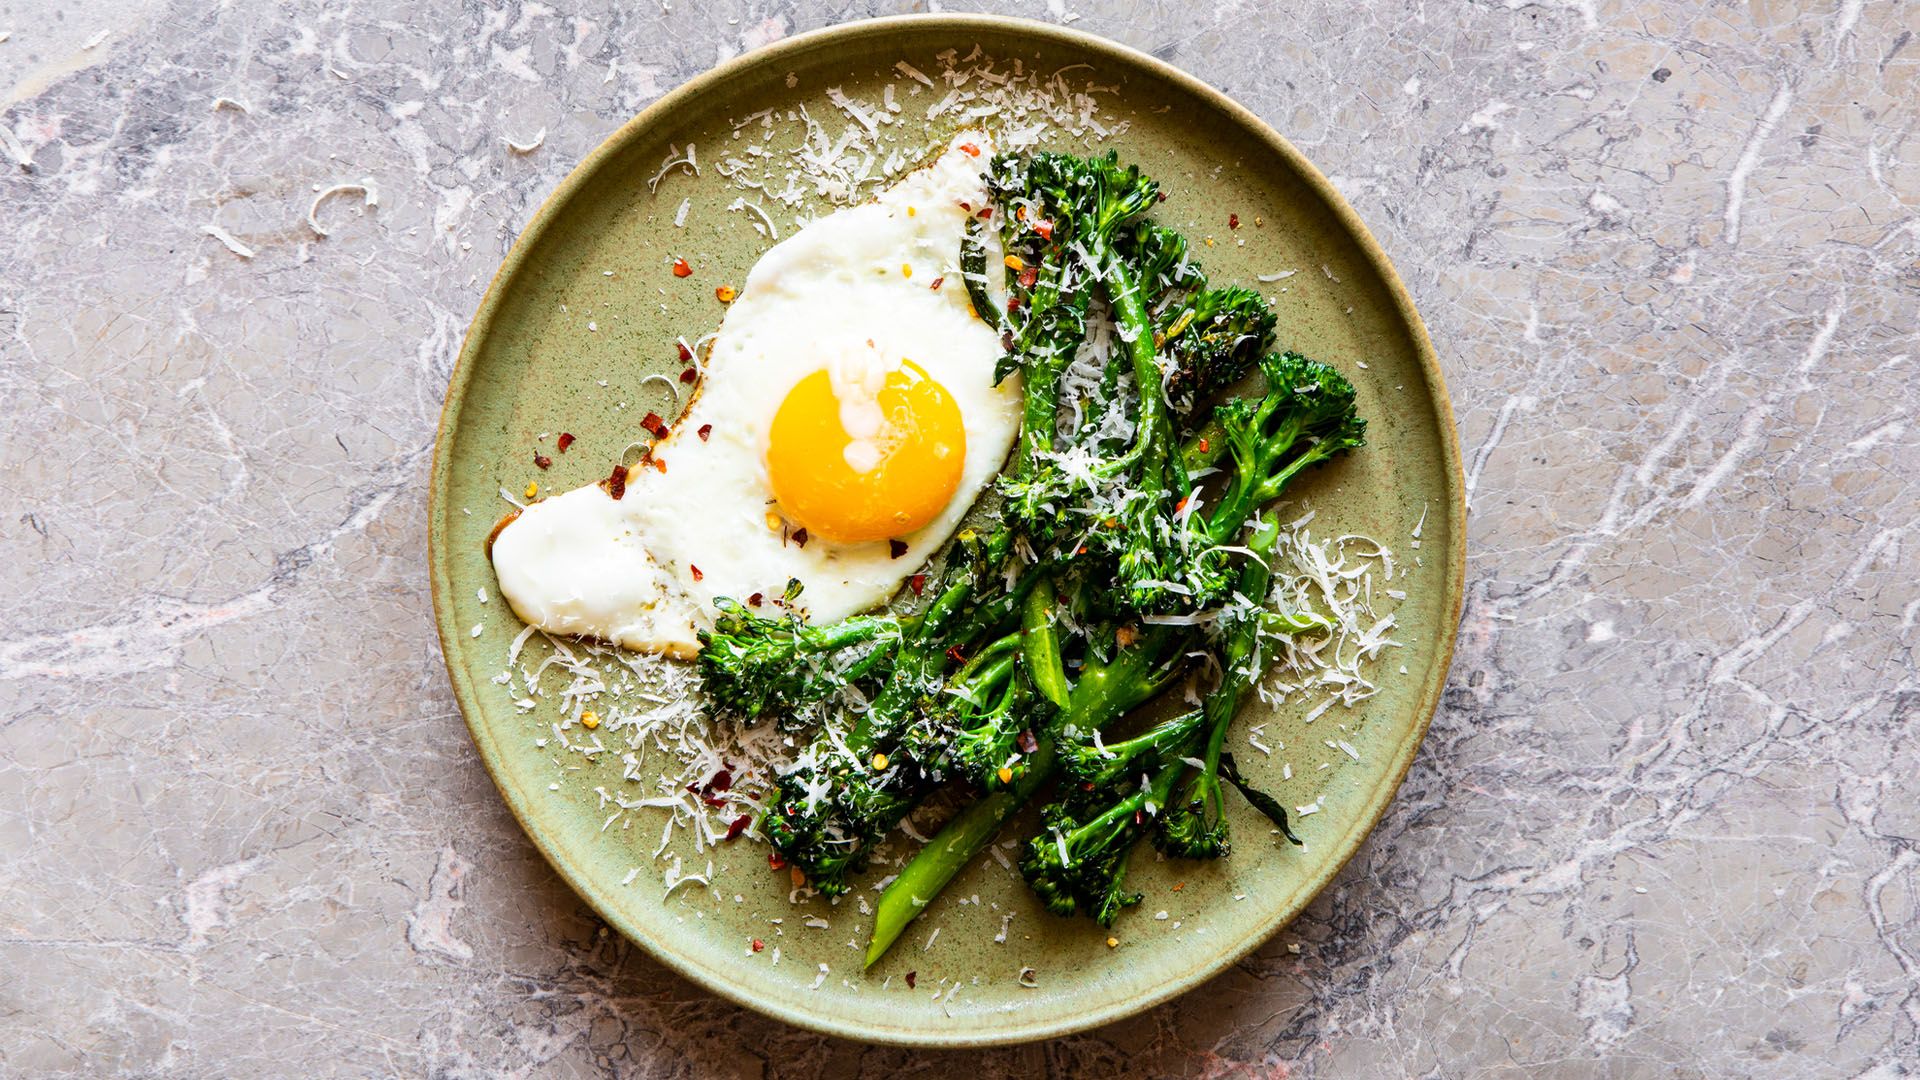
(704, 975)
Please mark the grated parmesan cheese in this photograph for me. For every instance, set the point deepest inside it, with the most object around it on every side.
(1332, 577)
(528, 147)
(20, 154)
(675, 160)
(365, 189)
(1022, 105)
(231, 241)
(765, 226)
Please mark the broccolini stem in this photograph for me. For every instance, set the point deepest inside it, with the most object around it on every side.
(1205, 448)
(1040, 645)
(983, 682)
(973, 271)
(935, 865)
(1122, 756)
(1269, 490)
(998, 654)
(1239, 665)
(853, 631)
(1100, 696)
(1119, 817)
(1152, 433)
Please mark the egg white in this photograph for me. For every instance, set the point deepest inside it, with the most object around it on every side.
(852, 288)
(575, 564)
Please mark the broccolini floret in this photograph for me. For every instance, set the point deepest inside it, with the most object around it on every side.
(753, 665)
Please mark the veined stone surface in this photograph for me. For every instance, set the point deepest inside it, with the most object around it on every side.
(1667, 821)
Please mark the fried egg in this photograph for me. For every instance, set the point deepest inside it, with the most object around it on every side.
(845, 421)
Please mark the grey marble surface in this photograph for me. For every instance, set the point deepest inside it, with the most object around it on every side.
(1667, 822)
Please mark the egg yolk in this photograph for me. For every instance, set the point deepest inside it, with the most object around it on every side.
(888, 476)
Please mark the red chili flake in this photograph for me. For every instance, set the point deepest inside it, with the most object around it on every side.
(710, 800)
(1163, 196)
(565, 440)
(681, 269)
(1028, 276)
(654, 425)
(697, 575)
(754, 600)
(1013, 304)
(986, 213)
(542, 461)
(896, 548)
(918, 583)
(1139, 817)
(1180, 506)
(800, 537)
(957, 655)
(1044, 228)
(969, 149)
(1006, 341)
(774, 860)
(758, 945)
(617, 482)
(686, 354)
(707, 429)
(911, 976)
(1233, 221)
(1029, 744)
(689, 375)
(721, 781)
(937, 282)
(966, 206)
(1205, 446)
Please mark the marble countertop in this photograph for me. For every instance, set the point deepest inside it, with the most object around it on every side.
(1667, 822)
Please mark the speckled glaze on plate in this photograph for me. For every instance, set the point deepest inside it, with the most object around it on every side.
(532, 365)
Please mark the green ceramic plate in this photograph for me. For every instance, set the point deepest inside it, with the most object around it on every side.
(533, 364)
